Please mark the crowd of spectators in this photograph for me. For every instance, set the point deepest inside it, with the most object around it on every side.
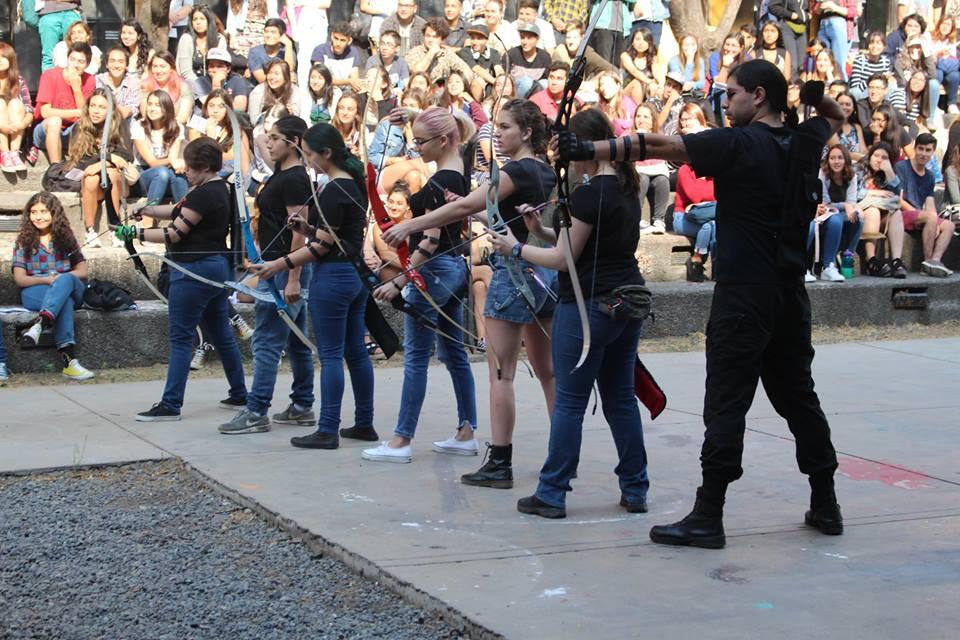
(327, 62)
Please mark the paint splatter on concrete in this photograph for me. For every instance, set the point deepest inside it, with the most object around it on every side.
(728, 573)
(894, 476)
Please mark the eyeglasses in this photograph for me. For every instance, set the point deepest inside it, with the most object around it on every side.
(419, 142)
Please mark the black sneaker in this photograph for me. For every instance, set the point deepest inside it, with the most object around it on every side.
(367, 434)
(158, 413)
(897, 269)
(233, 404)
(632, 507)
(534, 506)
(877, 269)
(826, 519)
(316, 440)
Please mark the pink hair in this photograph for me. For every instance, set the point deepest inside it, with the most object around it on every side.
(441, 122)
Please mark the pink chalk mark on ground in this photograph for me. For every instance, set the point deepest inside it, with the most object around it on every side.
(857, 469)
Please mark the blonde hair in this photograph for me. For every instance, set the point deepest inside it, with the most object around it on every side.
(442, 122)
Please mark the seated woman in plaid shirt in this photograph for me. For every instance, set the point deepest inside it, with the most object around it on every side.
(51, 273)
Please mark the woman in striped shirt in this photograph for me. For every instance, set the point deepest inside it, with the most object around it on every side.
(868, 63)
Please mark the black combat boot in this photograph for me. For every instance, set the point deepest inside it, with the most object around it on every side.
(497, 471)
(703, 527)
(824, 513)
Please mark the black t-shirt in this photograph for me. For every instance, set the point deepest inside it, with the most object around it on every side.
(287, 188)
(213, 202)
(345, 209)
(533, 181)
(607, 260)
(521, 67)
(749, 170)
(486, 60)
(430, 197)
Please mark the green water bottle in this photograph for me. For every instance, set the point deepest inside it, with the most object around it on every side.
(846, 264)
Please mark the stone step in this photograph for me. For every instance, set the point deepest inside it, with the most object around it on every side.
(139, 338)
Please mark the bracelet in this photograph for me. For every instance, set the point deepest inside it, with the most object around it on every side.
(140, 234)
(287, 261)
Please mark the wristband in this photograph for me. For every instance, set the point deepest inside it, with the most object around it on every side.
(140, 234)
(627, 145)
(643, 146)
(287, 261)
(396, 286)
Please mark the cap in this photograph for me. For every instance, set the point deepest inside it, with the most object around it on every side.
(480, 29)
(221, 55)
(529, 28)
(676, 77)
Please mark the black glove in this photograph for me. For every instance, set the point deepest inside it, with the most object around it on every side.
(811, 93)
(571, 148)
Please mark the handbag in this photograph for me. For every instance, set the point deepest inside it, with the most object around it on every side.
(58, 178)
(880, 199)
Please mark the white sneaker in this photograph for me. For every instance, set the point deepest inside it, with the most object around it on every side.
(646, 230)
(953, 109)
(386, 453)
(33, 334)
(457, 447)
(659, 228)
(92, 240)
(244, 330)
(4, 373)
(76, 371)
(831, 274)
(199, 357)
(809, 277)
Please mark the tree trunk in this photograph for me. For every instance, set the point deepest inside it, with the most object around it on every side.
(154, 15)
(687, 17)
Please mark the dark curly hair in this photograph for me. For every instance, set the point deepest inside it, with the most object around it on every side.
(527, 115)
(61, 234)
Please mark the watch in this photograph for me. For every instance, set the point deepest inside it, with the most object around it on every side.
(518, 250)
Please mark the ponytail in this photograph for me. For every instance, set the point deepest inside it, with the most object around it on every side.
(325, 136)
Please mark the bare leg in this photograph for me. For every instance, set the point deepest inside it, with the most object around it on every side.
(16, 113)
(895, 234)
(944, 236)
(90, 196)
(503, 338)
(53, 128)
(871, 224)
(4, 122)
(541, 359)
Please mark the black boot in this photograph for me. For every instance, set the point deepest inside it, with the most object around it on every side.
(367, 434)
(694, 271)
(534, 506)
(496, 473)
(703, 527)
(824, 513)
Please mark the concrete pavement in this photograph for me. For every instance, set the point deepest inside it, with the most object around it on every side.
(895, 573)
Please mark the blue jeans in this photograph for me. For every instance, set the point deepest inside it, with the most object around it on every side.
(155, 182)
(609, 363)
(933, 99)
(338, 301)
(59, 299)
(446, 279)
(272, 335)
(40, 137)
(704, 235)
(833, 32)
(189, 302)
(52, 28)
(833, 230)
(948, 74)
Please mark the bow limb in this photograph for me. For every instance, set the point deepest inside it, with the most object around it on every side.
(251, 248)
(561, 167)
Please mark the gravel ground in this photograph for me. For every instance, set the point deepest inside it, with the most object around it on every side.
(145, 551)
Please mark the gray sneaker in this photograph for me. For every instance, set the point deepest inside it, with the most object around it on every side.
(245, 422)
(294, 415)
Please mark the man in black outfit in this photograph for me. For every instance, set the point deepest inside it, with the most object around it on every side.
(759, 327)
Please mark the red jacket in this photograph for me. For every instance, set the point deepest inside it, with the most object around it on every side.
(691, 189)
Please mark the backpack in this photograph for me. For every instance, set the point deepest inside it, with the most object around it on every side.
(55, 179)
(102, 295)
